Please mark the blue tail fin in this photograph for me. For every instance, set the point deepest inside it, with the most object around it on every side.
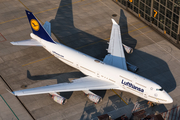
(37, 28)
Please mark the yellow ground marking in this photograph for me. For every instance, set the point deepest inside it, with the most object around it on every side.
(134, 36)
(52, 9)
(38, 60)
(91, 3)
(131, 31)
(135, 30)
(142, 34)
(45, 10)
(119, 97)
(88, 44)
(12, 20)
(38, 12)
(59, 7)
(138, 22)
(40, 20)
(23, 5)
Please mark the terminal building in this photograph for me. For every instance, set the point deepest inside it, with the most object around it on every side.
(162, 15)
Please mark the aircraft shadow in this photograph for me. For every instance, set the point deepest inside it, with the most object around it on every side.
(60, 77)
(64, 29)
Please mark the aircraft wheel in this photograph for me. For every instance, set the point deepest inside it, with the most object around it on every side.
(152, 104)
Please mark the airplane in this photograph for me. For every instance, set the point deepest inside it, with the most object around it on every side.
(111, 73)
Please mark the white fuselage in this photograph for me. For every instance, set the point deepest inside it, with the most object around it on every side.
(127, 81)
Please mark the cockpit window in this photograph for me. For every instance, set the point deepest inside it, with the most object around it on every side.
(98, 61)
(161, 89)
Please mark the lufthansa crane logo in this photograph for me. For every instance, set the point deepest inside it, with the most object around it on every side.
(34, 24)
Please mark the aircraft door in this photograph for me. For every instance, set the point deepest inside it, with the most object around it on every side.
(145, 94)
(98, 74)
(77, 65)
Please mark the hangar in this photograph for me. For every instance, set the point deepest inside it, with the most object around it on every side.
(162, 15)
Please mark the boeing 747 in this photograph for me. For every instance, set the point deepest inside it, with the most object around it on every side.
(111, 73)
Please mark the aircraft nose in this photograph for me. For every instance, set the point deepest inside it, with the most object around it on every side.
(170, 100)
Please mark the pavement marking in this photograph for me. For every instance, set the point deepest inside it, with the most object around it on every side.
(119, 97)
(9, 107)
(53, 9)
(38, 12)
(44, 10)
(146, 36)
(134, 36)
(12, 20)
(59, 7)
(29, 10)
(42, 22)
(134, 30)
(23, 5)
(138, 22)
(90, 3)
(37, 60)
(4, 39)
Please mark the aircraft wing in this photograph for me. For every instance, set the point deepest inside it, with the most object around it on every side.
(116, 57)
(84, 83)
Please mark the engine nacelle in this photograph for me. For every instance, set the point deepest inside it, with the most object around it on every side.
(57, 98)
(95, 98)
(128, 49)
(132, 68)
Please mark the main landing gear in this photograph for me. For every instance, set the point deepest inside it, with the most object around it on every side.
(151, 104)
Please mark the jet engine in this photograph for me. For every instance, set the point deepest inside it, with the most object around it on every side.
(131, 67)
(128, 49)
(95, 98)
(57, 98)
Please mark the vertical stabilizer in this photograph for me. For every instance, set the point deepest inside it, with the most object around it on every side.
(37, 28)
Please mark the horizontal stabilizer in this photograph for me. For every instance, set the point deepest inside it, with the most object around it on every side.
(29, 42)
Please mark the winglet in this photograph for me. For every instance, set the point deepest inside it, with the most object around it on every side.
(10, 92)
(113, 21)
(13, 43)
